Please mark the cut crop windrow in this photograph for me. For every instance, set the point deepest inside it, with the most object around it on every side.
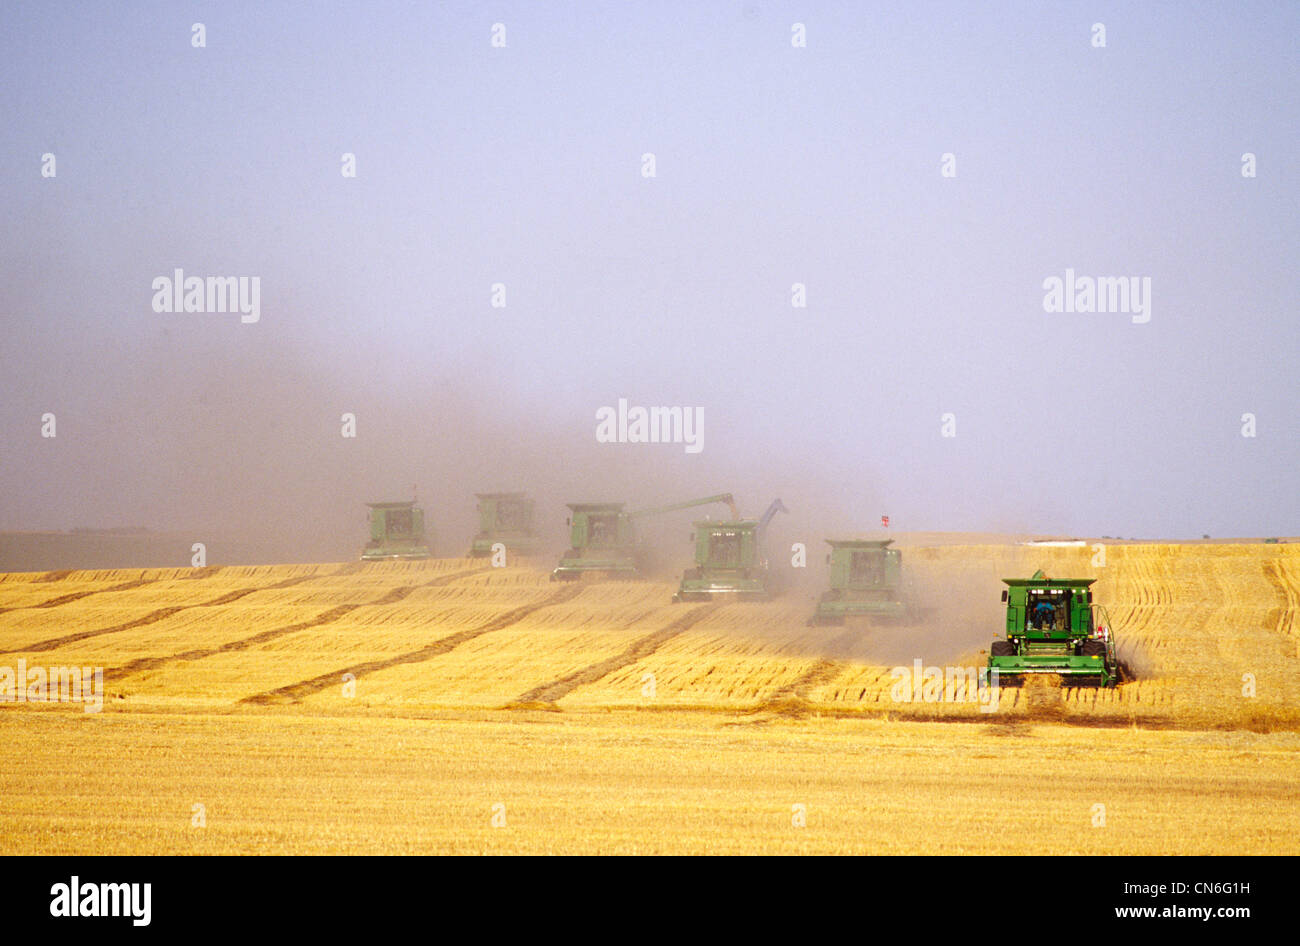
(244, 643)
(78, 595)
(296, 691)
(556, 690)
(151, 618)
(1288, 593)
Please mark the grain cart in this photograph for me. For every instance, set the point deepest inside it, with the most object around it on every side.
(865, 580)
(729, 559)
(396, 532)
(506, 518)
(1053, 627)
(603, 538)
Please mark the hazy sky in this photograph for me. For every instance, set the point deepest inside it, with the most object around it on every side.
(774, 165)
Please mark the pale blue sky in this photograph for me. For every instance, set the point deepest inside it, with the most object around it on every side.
(775, 165)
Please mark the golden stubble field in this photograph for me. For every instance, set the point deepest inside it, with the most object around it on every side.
(445, 706)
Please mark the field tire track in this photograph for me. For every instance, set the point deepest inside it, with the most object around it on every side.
(294, 692)
(143, 664)
(548, 694)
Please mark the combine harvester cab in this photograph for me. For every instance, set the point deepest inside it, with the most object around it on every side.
(866, 581)
(603, 539)
(506, 518)
(729, 560)
(1052, 628)
(396, 532)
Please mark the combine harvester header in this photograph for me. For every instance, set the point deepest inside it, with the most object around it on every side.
(1053, 628)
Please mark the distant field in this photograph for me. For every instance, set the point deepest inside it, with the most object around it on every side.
(390, 706)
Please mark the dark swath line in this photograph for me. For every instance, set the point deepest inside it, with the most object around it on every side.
(78, 595)
(199, 573)
(395, 595)
(823, 671)
(152, 617)
(325, 617)
(296, 691)
(633, 622)
(642, 647)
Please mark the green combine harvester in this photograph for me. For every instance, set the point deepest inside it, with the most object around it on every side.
(396, 532)
(1053, 627)
(506, 518)
(865, 581)
(603, 538)
(729, 559)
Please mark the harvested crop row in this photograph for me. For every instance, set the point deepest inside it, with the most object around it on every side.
(1207, 631)
(492, 669)
(295, 692)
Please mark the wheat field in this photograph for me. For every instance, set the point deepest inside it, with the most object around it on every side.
(447, 706)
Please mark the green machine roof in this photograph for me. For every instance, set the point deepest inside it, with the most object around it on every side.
(1039, 580)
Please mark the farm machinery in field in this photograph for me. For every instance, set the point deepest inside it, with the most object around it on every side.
(396, 532)
(507, 519)
(865, 581)
(1053, 627)
(729, 559)
(603, 538)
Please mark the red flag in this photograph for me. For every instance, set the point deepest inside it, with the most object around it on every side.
(884, 521)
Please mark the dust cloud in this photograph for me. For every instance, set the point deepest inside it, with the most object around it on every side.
(241, 447)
